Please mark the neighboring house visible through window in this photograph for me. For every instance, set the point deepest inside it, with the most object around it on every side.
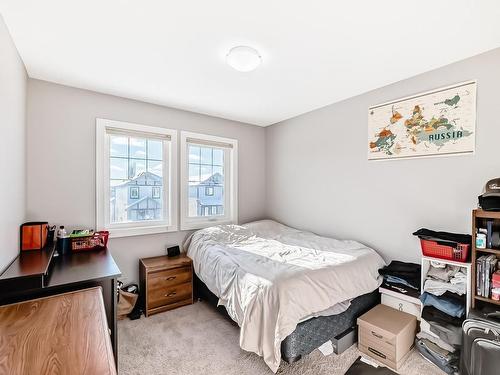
(136, 178)
(208, 182)
(156, 192)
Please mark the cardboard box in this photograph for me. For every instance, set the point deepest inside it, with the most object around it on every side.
(386, 335)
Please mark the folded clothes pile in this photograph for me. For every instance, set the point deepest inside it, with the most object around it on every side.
(445, 360)
(444, 302)
(402, 277)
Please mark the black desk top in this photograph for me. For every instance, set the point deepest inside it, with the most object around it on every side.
(82, 266)
(41, 270)
(29, 263)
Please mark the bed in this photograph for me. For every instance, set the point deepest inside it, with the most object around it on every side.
(289, 291)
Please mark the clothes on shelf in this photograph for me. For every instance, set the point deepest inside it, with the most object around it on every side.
(447, 362)
(448, 305)
(402, 277)
(430, 313)
(447, 332)
(443, 236)
(438, 288)
(442, 273)
(436, 340)
(444, 306)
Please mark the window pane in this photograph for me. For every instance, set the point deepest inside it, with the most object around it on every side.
(155, 167)
(118, 168)
(218, 156)
(206, 173)
(155, 149)
(193, 200)
(136, 167)
(136, 195)
(137, 148)
(118, 146)
(206, 155)
(194, 154)
(219, 174)
(117, 182)
(194, 172)
(206, 180)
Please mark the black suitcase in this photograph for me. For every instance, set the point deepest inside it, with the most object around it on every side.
(481, 343)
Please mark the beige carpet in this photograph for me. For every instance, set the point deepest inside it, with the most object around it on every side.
(197, 340)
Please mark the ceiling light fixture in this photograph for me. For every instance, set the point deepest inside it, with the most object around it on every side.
(243, 58)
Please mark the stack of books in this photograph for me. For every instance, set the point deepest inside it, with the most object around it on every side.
(485, 266)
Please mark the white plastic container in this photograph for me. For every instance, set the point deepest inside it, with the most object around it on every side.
(481, 241)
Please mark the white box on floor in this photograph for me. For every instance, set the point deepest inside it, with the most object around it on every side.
(401, 302)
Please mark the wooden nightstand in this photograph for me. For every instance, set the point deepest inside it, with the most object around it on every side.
(166, 283)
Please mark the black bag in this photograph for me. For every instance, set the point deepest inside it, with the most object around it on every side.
(489, 203)
(361, 368)
(481, 343)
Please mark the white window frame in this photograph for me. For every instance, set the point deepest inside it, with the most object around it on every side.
(230, 182)
(170, 183)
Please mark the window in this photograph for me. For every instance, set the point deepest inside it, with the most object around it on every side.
(156, 192)
(208, 180)
(135, 178)
(134, 192)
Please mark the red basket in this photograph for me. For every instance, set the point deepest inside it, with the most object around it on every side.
(98, 240)
(436, 250)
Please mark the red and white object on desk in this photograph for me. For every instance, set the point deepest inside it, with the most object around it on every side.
(94, 241)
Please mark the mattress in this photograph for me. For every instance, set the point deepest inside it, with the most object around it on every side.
(311, 333)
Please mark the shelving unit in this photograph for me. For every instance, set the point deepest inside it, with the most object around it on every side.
(426, 261)
(479, 219)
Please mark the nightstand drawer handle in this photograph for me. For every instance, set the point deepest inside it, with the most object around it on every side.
(376, 352)
(377, 335)
(171, 294)
(170, 278)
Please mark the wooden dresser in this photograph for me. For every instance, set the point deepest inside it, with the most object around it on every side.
(166, 283)
(63, 334)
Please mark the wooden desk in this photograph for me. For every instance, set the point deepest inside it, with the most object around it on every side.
(62, 334)
(74, 271)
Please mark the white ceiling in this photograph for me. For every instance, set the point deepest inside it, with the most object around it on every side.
(314, 52)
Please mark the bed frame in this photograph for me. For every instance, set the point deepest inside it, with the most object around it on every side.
(312, 333)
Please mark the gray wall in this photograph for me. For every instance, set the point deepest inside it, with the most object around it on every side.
(318, 176)
(61, 160)
(13, 80)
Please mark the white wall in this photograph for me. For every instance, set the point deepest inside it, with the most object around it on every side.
(318, 176)
(13, 80)
(61, 160)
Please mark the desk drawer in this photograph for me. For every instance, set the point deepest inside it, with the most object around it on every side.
(167, 295)
(167, 278)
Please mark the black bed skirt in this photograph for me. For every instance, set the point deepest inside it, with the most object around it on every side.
(310, 334)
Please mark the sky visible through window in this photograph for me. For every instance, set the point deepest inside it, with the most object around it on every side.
(136, 179)
(206, 168)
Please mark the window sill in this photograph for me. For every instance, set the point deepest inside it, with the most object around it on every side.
(205, 224)
(139, 231)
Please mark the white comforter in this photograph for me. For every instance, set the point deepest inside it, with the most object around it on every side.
(270, 276)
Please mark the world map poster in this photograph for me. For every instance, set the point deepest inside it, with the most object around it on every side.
(438, 122)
